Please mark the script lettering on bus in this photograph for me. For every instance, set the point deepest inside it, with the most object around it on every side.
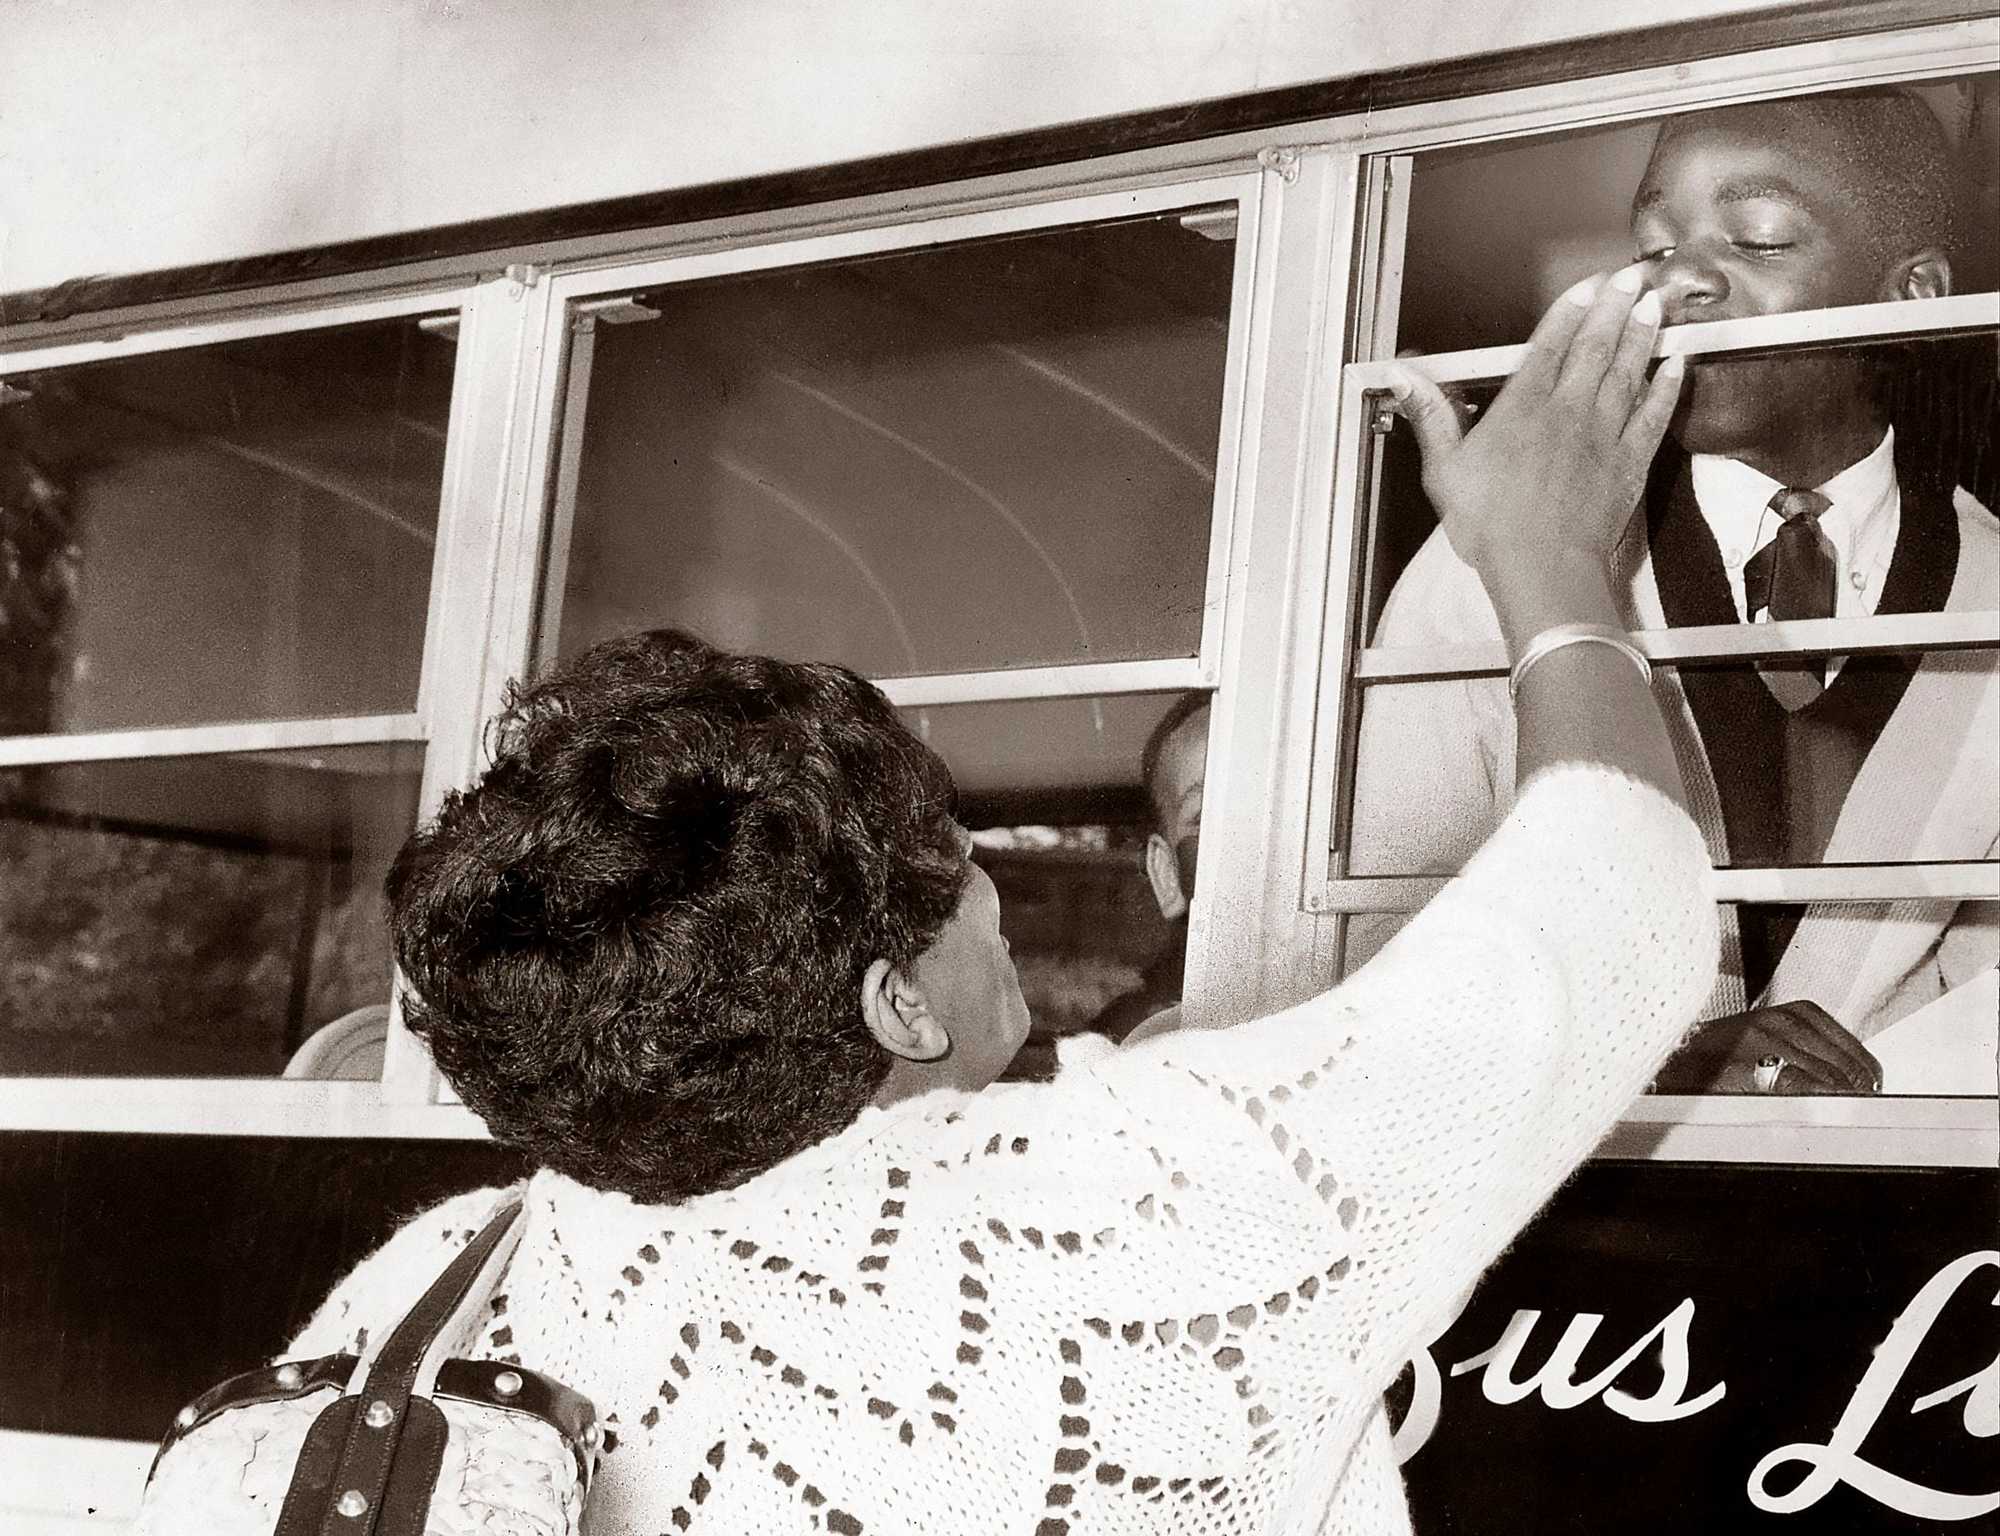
(1835, 1461)
(1839, 1458)
(1556, 1380)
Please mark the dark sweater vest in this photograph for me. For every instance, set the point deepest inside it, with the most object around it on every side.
(1783, 777)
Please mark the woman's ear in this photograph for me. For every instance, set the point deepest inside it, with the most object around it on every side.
(898, 1015)
(1164, 875)
(1925, 275)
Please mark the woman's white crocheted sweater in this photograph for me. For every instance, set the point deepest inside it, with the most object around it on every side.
(1164, 1293)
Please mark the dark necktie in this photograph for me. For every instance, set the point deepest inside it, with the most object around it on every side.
(1793, 576)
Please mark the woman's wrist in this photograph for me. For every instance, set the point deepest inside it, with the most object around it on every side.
(1530, 595)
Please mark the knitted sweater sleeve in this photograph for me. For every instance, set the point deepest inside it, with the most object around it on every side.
(1365, 1155)
(1434, 760)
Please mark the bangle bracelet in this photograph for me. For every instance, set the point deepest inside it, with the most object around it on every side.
(1557, 636)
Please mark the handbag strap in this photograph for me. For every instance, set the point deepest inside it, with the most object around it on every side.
(407, 1360)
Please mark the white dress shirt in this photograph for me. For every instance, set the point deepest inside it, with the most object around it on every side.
(1861, 524)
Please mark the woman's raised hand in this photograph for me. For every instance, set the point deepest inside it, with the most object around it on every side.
(1554, 470)
(1535, 497)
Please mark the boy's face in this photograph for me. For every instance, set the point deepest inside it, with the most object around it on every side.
(1746, 211)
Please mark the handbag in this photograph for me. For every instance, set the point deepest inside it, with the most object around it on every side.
(399, 1441)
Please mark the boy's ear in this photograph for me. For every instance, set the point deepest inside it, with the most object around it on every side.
(898, 1014)
(1164, 875)
(1925, 275)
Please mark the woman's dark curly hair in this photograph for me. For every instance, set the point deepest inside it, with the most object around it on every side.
(637, 943)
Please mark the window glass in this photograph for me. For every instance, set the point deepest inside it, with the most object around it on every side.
(993, 454)
(235, 532)
(1891, 759)
(1496, 230)
(199, 916)
(1876, 758)
(1094, 865)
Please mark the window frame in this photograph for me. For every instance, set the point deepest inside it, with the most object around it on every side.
(1906, 1131)
(575, 294)
(554, 408)
(273, 1105)
(1366, 407)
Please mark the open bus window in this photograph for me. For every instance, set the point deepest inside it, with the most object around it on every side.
(242, 531)
(1497, 229)
(1832, 692)
(198, 916)
(1850, 748)
(996, 454)
(1052, 792)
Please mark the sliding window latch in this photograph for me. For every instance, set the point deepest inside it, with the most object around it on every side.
(621, 311)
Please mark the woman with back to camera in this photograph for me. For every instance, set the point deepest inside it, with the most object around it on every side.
(705, 942)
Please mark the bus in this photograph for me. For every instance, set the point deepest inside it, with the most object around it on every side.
(1033, 363)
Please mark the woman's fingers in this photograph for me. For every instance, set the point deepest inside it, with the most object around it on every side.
(1648, 424)
(1430, 414)
(1550, 344)
(1595, 344)
(1625, 380)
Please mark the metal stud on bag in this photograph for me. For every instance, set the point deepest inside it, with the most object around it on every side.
(353, 1504)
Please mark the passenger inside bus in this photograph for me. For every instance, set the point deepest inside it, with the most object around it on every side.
(1791, 495)
(1173, 769)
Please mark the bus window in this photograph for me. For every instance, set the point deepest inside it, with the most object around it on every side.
(195, 916)
(235, 532)
(1066, 800)
(215, 578)
(1811, 566)
(1497, 229)
(995, 454)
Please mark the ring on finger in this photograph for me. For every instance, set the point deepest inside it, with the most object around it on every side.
(1764, 1077)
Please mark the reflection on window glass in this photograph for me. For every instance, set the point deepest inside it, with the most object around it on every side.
(1497, 230)
(235, 532)
(1087, 815)
(199, 916)
(995, 454)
